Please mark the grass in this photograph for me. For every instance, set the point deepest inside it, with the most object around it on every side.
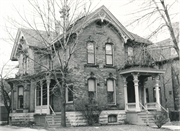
(110, 128)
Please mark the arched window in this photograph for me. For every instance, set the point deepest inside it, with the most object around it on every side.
(91, 88)
(90, 53)
(109, 54)
(110, 91)
(20, 97)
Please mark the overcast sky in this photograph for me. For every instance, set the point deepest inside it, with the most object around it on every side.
(9, 8)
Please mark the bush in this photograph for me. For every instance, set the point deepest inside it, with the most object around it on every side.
(91, 109)
(160, 118)
(174, 115)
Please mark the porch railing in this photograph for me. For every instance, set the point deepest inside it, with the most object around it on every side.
(52, 110)
(167, 111)
(147, 112)
(131, 106)
(151, 106)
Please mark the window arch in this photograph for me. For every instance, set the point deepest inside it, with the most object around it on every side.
(109, 53)
(111, 92)
(91, 89)
(91, 52)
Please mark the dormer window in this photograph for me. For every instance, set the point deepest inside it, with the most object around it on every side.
(90, 53)
(109, 54)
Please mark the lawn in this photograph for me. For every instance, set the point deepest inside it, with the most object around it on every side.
(110, 128)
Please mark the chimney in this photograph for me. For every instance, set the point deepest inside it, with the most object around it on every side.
(57, 27)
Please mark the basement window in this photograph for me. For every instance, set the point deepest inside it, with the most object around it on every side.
(112, 118)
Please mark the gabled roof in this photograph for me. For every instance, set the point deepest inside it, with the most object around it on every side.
(33, 38)
(103, 13)
(38, 38)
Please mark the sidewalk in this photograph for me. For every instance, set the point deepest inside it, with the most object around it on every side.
(172, 126)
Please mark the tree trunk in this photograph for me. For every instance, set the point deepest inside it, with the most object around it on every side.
(63, 102)
(63, 114)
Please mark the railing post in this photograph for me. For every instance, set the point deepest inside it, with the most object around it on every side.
(168, 113)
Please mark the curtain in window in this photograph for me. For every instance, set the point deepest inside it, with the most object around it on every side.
(91, 52)
(91, 85)
(110, 90)
(109, 54)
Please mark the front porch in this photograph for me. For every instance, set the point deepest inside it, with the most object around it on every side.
(135, 94)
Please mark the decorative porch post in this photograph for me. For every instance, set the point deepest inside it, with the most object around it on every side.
(144, 90)
(41, 83)
(125, 92)
(157, 92)
(48, 84)
(135, 76)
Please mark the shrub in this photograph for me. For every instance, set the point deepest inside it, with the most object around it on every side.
(174, 115)
(160, 118)
(91, 109)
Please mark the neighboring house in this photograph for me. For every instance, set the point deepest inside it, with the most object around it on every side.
(110, 62)
(166, 58)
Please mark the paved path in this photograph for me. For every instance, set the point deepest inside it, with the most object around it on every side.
(172, 127)
(15, 128)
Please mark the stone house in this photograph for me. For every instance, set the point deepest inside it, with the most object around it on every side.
(110, 62)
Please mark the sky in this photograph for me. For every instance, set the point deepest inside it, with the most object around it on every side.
(9, 10)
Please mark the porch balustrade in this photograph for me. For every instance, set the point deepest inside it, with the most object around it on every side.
(151, 106)
(131, 106)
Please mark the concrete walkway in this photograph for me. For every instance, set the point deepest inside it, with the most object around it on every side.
(171, 127)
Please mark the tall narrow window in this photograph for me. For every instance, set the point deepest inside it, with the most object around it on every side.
(25, 64)
(69, 94)
(110, 91)
(20, 97)
(109, 54)
(147, 95)
(91, 53)
(91, 89)
(38, 94)
(44, 91)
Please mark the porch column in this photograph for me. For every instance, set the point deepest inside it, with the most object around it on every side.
(157, 92)
(41, 83)
(144, 90)
(48, 84)
(125, 92)
(135, 76)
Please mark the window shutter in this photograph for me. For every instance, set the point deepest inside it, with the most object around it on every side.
(110, 85)
(91, 85)
(20, 92)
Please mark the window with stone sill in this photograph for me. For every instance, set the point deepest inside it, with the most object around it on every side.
(20, 97)
(91, 89)
(111, 91)
(109, 54)
(91, 53)
(69, 94)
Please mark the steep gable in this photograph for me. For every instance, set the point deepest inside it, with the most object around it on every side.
(103, 14)
(33, 38)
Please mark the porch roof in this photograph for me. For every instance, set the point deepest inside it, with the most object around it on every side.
(142, 70)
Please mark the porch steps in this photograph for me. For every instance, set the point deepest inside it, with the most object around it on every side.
(54, 121)
(146, 119)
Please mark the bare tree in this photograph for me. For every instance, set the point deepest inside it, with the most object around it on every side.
(5, 91)
(59, 43)
(157, 13)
